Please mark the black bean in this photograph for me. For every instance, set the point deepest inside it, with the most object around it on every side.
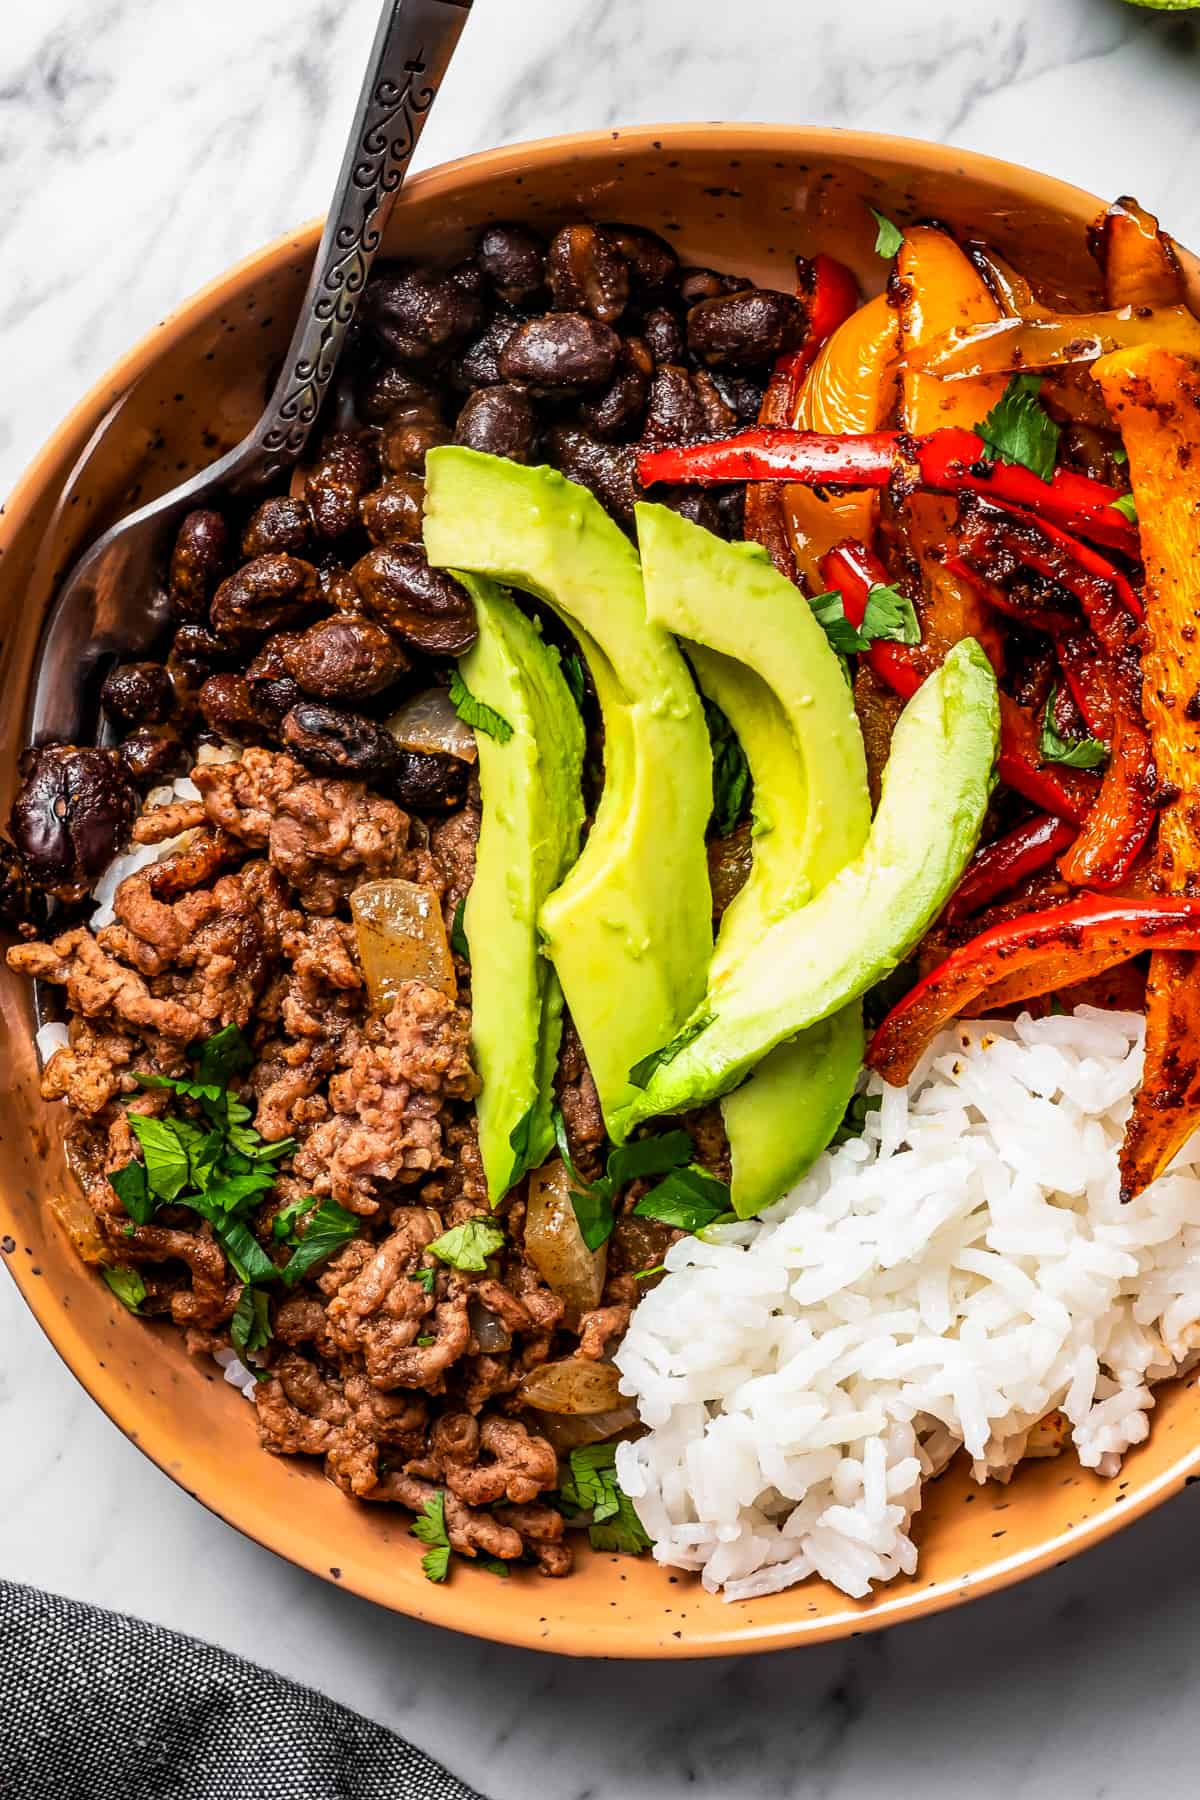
(425, 608)
(344, 659)
(139, 693)
(263, 595)
(479, 364)
(414, 314)
(332, 742)
(608, 470)
(428, 780)
(707, 284)
(683, 408)
(269, 662)
(154, 754)
(561, 350)
(337, 586)
(406, 443)
(198, 562)
(345, 470)
(617, 412)
(731, 504)
(513, 260)
(741, 395)
(653, 264)
(694, 503)
(389, 390)
(745, 329)
(196, 648)
(392, 511)
(663, 333)
(500, 420)
(587, 273)
(227, 704)
(282, 525)
(71, 815)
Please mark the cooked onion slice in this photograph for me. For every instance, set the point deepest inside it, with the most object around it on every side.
(488, 1329)
(554, 1243)
(574, 1385)
(429, 722)
(569, 1433)
(79, 1222)
(401, 937)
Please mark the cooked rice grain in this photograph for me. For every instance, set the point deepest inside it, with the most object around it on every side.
(949, 1279)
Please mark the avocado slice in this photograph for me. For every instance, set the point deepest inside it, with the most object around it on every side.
(815, 960)
(531, 788)
(630, 929)
(759, 654)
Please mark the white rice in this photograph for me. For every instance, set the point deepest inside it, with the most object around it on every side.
(950, 1279)
(140, 856)
(236, 1373)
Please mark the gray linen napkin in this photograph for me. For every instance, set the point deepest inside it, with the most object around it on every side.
(96, 1706)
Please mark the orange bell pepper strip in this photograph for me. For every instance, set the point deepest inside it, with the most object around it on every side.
(1139, 261)
(1154, 397)
(1081, 937)
(829, 291)
(969, 354)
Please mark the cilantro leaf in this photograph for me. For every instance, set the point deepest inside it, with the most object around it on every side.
(642, 1071)
(131, 1188)
(429, 1527)
(889, 237)
(468, 1246)
(493, 1565)
(458, 935)
(572, 668)
(225, 1054)
(1020, 430)
(476, 713)
(284, 1222)
(329, 1227)
(1127, 507)
(165, 1153)
(1072, 753)
(645, 1274)
(888, 614)
(559, 1125)
(730, 770)
(686, 1198)
(424, 1278)
(591, 1486)
(593, 1202)
(247, 1256)
(529, 1141)
(126, 1284)
(250, 1326)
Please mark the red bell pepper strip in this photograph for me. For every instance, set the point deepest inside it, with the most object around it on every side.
(998, 540)
(1049, 619)
(851, 570)
(951, 461)
(830, 292)
(1095, 931)
(1086, 675)
(1001, 864)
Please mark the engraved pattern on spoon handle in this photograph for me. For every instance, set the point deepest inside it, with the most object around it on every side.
(412, 49)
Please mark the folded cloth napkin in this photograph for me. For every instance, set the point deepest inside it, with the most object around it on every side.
(96, 1706)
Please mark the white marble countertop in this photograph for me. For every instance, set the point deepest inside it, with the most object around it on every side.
(143, 147)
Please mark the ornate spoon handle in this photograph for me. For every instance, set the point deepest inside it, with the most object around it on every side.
(412, 49)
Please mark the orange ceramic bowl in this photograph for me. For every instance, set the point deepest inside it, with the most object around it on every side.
(741, 197)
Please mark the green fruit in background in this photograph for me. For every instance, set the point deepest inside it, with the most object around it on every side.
(1167, 5)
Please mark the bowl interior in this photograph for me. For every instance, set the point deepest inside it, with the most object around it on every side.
(741, 198)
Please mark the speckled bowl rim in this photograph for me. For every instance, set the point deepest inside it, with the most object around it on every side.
(456, 1605)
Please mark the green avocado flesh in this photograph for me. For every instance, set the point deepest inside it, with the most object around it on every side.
(760, 655)
(816, 960)
(629, 930)
(530, 787)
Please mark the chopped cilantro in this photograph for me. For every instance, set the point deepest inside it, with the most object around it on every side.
(425, 1341)
(591, 1486)
(223, 1056)
(133, 1191)
(572, 668)
(889, 237)
(1127, 507)
(327, 1229)
(458, 935)
(1074, 753)
(424, 1278)
(475, 713)
(730, 771)
(687, 1198)
(641, 1071)
(468, 1246)
(1120, 456)
(1020, 430)
(250, 1326)
(429, 1527)
(283, 1225)
(645, 1274)
(126, 1284)
(888, 614)
(164, 1149)
(593, 1202)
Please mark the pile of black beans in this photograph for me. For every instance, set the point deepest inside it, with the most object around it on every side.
(304, 622)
